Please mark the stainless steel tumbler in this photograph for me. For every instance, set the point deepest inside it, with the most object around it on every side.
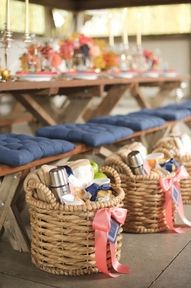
(136, 163)
(59, 182)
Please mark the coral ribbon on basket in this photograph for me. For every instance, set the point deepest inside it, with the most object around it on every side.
(102, 225)
(171, 187)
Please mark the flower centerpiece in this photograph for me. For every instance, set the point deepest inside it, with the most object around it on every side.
(151, 59)
(77, 51)
(84, 53)
(40, 58)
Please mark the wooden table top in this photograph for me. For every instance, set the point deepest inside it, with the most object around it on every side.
(64, 83)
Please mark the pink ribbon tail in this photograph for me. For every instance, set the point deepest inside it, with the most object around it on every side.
(120, 268)
(101, 225)
(101, 253)
(168, 185)
(169, 213)
(180, 210)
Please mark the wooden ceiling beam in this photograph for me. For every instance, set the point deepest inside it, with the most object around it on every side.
(88, 5)
(79, 5)
(69, 5)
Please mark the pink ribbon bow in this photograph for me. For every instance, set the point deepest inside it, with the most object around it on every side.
(102, 225)
(171, 187)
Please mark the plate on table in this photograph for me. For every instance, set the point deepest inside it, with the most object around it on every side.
(81, 75)
(151, 74)
(125, 74)
(170, 73)
(85, 75)
(41, 76)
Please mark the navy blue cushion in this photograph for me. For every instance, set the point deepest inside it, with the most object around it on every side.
(168, 113)
(181, 105)
(18, 149)
(137, 121)
(90, 133)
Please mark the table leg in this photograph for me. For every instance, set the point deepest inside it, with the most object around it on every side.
(139, 97)
(165, 90)
(9, 214)
(77, 102)
(164, 93)
(107, 103)
(35, 108)
(42, 109)
(75, 110)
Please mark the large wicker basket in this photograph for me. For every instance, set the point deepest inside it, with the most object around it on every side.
(170, 150)
(62, 235)
(144, 199)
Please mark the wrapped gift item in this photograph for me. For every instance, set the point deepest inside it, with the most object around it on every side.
(178, 147)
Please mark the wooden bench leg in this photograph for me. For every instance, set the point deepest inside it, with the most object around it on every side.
(149, 140)
(103, 152)
(9, 214)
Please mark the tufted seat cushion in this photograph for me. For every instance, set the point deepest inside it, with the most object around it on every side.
(169, 113)
(137, 121)
(17, 149)
(90, 133)
(180, 106)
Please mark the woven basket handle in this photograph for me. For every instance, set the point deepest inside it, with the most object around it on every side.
(170, 145)
(119, 166)
(113, 175)
(166, 152)
(37, 191)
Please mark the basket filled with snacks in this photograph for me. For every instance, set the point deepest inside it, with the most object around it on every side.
(68, 208)
(148, 188)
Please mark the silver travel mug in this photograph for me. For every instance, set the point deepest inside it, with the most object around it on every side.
(59, 182)
(136, 163)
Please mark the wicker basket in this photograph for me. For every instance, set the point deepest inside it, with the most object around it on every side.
(144, 199)
(62, 235)
(170, 150)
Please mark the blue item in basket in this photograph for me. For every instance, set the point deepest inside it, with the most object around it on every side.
(18, 149)
(169, 113)
(171, 165)
(94, 188)
(90, 133)
(137, 121)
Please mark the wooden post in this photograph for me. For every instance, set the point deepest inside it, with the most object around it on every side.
(9, 215)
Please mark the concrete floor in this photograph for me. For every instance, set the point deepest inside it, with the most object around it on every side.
(158, 260)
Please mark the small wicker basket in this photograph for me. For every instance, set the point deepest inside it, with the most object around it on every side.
(62, 235)
(170, 150)
(144, 199)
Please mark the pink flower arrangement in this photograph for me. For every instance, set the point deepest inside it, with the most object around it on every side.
(152, 60)
(67, 49)
(85, 40)
(79, 44)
